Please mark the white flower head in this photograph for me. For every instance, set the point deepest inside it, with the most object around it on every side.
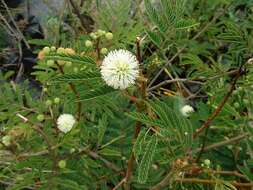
(65, 122)
(120, 69)
(187, 110)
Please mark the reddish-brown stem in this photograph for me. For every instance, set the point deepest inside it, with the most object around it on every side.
(220, 106)
(210, 181)
(73, 88)
(139, 105)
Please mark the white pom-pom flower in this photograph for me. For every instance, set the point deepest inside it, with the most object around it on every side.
(187, 110)
(65, 122)
(120, 69)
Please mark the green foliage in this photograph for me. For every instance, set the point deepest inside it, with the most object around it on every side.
(145, 124)
(168, 18)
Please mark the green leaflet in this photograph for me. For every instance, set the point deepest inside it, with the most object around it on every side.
(155, 38)
(75, 77)
(72, 58)
(146, 162)
(96, 93)
(138, 145)
(144, 118)
(102, 124)
(155, 17)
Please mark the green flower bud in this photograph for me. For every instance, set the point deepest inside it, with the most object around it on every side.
(20, 178)
(61, 63)
(109, 36)
(40, 117)
(44, 89)
(53, 48)
(62, 164)
(50, 63)
(72, 150)
(75, 69)
(236, 105)
(88, 43)
(246, 101)
(104, 51)
(60, 50)
(46, 50)
(6, 140)
(207, 162)
(57, 100)
(93, 36)
(101, 32)
(68, 64)
(48, 103)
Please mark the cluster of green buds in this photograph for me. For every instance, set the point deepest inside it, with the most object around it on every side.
(48, 103)
(55, 101)
(48, 50)
(206, 163)
(99, 34)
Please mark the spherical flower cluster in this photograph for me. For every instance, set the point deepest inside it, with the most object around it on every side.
(65, 122)
(120, 69)
(187, 110)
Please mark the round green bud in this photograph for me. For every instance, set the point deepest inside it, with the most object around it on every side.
(88, 43)
(155, 166)
(245, 101)
(48, 103)
(53, 48)
(207, 162)
(93, 36)
(236, 92)
(109, 36)
(46, 50)
(101, 32)
(62, 164)
(83, 68)
(50, 63)
(40, 117)
(68, 64)
(57, 100)
(104, 51)
(75, 69)
(6, 140)
(20, 178)
(44, 89)
(236, 105)
(60, 50)
(72, 150)
(61, 63)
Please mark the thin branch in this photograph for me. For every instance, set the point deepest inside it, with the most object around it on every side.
(226, 142)
(73, 88)
(166, 180)
(173, 81)
(218, 14)
(221, 105)
(207, 181)
(142, 88)
(16, 26)
(77, 12)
